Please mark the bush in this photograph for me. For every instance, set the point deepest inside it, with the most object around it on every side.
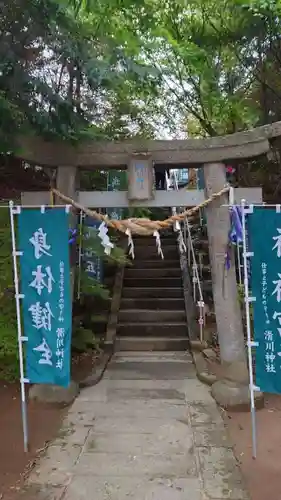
(9, 362)
(83, 339)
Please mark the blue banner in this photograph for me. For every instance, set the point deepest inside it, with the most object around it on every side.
(47, 303)
(264, 230)
(92, 263)
(116, 181)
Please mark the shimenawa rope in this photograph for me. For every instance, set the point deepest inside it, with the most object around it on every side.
(142, 227)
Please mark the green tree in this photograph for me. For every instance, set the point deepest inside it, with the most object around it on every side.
(65, 74)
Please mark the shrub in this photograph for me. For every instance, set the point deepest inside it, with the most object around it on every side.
(9, 363)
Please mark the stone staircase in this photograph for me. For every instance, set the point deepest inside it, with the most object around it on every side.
(152, 313)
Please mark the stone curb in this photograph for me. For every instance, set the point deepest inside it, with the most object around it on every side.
(98, 373)
(197, 346)
(202, 370)
(204, 375)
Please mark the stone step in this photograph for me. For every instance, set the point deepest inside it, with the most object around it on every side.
(152, 344)
(151, 293)
(155, 264)
(153, 282)
(150, 252)
(155, 304)
(157, 357)
(155, 329)
(153, 273)
(151, 316)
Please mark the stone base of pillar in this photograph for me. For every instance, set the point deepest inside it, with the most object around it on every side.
(235, 396)
(54, 394)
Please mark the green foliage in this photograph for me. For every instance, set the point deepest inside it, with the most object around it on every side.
(94, 295)
(207, 60)
(67, 75)
(93, 180)
(9, 358)
(139, 213)
(83, 336)
(92, 242)
(8, 324)
(122, 68)
(27, 93)
(83, 339)
(90, 286)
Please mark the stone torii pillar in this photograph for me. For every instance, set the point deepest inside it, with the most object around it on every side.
(233, 389)
(67, 182)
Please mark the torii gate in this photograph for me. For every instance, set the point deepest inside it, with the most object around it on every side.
(133, 155)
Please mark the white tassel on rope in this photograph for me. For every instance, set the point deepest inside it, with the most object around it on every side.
(202, 319)
(176, 223)
(105, 241)
(231, 196)
(131, 245)
(182, 245)
(156, 235)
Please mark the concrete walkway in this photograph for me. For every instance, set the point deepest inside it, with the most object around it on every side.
(148, 431)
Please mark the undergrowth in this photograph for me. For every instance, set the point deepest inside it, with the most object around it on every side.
(9, 362)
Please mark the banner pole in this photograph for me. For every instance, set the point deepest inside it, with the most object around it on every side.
(239, 263)
(20, 337)
(249, 340)
(80, 254)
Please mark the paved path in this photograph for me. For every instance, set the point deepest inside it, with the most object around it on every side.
(148, 431)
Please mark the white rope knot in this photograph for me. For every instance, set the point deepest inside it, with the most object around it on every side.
(156, 234)
(177, 229)
(182, 245)
(131, 245)
(202, 318)
(201, 305)
(105, 241)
